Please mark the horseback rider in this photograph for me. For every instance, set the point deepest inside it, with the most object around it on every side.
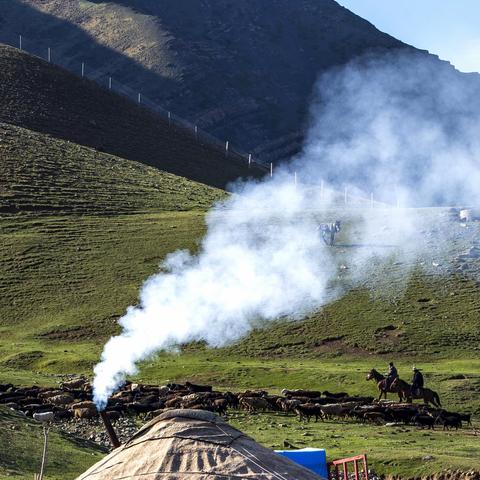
(417, 382)
(392, 375)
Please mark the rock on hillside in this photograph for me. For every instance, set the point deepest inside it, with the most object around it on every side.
(244, 70)
(46, 98)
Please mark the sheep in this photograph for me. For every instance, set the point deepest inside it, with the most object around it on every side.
(335, 395)
(44, 417)
(286, 404)
(50, 393)
(85, 413)
(301, 393)
(63, 399)
(254, 403)
(220, 405)
(75, 384)
(449, 421)
(338, 409)
(198, 388)
(85, 404)
(375, 417)
(423, 420)
(308, 410)
(163, 391)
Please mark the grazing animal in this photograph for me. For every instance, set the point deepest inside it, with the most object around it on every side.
(252, 404)
(78, 383)
(375, 417)
(85, 404)
(328, 231)
(50, 393)
(287, 404)
(220, 406)
(198, 388)
(85, 413)
(63, 399)
(44, 417)
(423, 420)
(163, 391)
(404, 415)
(451, 421)
(308, 410)
(334, 395)
(466, 417)
(301, 393)
(337, 410)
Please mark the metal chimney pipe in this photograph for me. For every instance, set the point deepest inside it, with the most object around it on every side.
(110, 430)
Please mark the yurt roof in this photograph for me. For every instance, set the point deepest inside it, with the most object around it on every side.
(193, 445)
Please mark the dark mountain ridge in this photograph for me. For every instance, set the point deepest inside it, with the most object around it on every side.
(244, 70)
(45, 98)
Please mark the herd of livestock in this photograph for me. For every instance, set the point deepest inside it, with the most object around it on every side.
(73, 399)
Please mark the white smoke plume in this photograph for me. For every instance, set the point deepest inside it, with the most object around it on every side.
(398, 125)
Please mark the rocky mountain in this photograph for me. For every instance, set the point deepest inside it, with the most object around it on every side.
(243, 70)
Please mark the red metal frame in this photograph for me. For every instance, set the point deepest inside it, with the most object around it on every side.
(344, 463)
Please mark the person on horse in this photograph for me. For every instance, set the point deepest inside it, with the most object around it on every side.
(392, 375)
(417, 382)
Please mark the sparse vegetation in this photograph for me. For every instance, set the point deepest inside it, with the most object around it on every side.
(42, 174)
(21, 441)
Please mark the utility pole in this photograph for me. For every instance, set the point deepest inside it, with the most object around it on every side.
(49, 54)
(46, 429)
(20, 42)
(83, 69)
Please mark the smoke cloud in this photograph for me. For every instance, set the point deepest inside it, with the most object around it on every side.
(400, 125)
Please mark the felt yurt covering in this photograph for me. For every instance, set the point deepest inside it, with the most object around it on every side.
(194, 445)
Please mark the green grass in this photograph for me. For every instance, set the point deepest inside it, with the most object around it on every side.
(65, 279)
(390, 450)
(41, 173)
(21, 443)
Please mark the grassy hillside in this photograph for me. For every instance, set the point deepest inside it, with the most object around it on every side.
(65, 279)
(44, 174)
(45, 98)
(68, 456)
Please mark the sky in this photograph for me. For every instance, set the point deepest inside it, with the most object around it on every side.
(447, 28)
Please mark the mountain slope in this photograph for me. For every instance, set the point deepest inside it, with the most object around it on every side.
(43, 97)
(43, 174)
(243, 70)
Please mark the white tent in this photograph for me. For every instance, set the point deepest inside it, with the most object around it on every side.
(194, 445)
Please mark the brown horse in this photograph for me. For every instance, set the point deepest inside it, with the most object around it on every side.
(398, 386)
(425, 394)
(404, 390)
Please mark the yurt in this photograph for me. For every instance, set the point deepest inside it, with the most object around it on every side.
(194, 445)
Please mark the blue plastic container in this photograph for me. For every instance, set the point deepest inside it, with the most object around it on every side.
(314, 459)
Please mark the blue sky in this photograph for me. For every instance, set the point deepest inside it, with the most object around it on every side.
(448, 28)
